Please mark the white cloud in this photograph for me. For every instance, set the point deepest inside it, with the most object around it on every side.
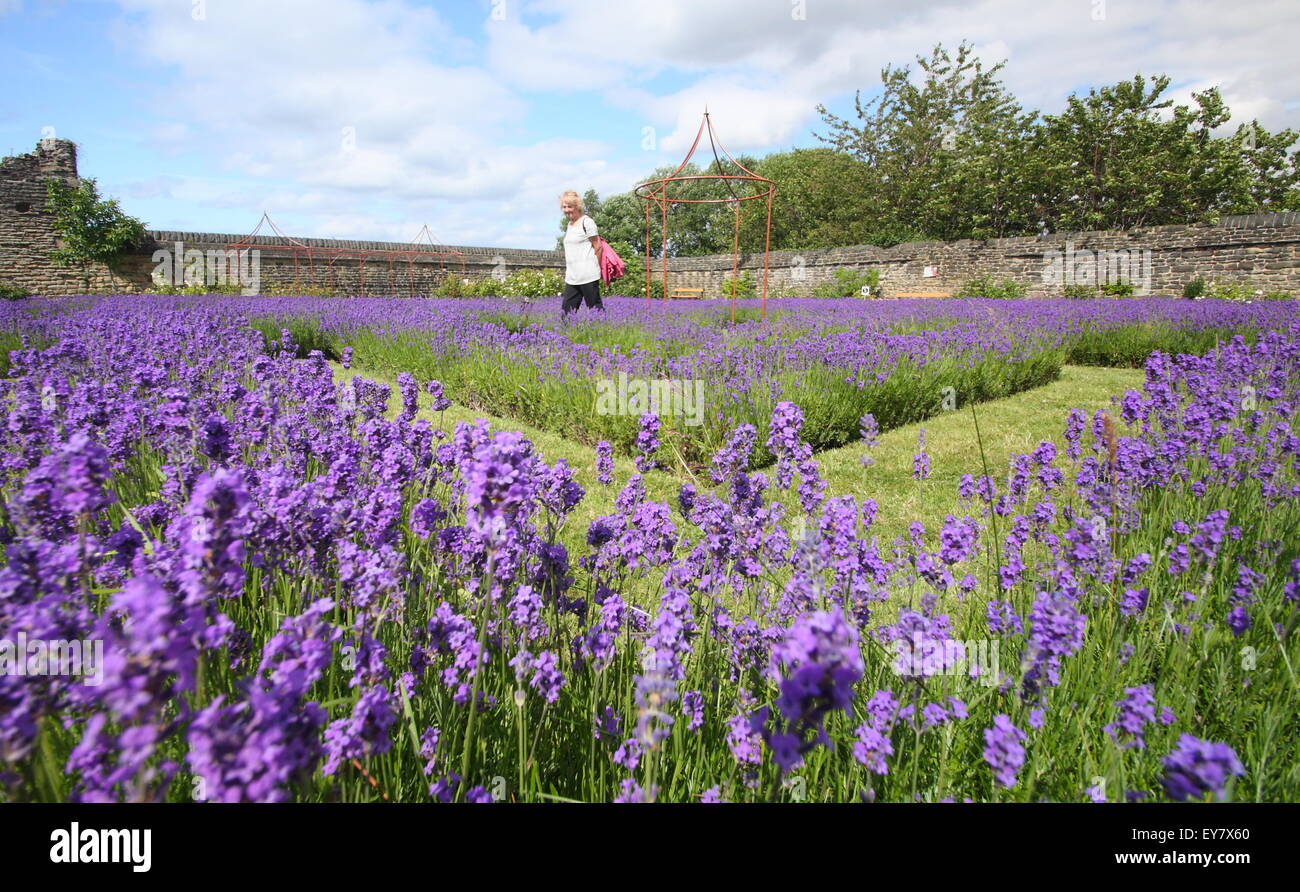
(340, 112)
(771, 66)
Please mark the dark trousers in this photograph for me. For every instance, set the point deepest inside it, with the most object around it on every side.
(588, 293)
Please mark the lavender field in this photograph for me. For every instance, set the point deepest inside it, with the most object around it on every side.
(298, 594)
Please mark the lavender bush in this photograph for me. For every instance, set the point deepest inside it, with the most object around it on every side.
(302, 599)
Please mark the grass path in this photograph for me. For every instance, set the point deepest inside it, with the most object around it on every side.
(1008, 426)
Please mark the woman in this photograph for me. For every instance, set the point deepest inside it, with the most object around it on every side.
(581, 260)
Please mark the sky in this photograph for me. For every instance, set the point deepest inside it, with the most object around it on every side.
(369, 120)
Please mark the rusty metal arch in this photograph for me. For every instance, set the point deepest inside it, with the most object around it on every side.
(656, 192)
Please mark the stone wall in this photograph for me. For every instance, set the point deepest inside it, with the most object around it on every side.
(26, 232)
(27, 237)
(339, 264)
(1261, 250)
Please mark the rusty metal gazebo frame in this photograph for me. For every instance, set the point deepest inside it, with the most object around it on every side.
(656, 192)
(414, 249)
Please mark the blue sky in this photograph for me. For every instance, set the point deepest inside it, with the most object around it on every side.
(349, 118)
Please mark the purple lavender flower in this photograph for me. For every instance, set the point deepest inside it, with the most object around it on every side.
(1209, 536)
(921, 460)
(1002, 619)
(499, 484)
(958, 539)
(653, 694)
(744, 742)
(1291, 591)
(547, 678)
(1137, 709)
(631, 792)
(693, 708)
(66, 485)
(362, 734)
(934, 715)
(821, 661)
(440, 401)
(686, 499)
(1056, 631)
(1134, 601)
(610, 725)
(734, 457)
(783, 441)
(425, 517)
(628, 755)
(604, 463)
(429, 749)
(1074, 427)
(647, 442)
(869, 430)
(1197, 767)
(1239, 620)
(872, 748)
(478, 794)
(924, 645)
(1003, 751)
(410, 395)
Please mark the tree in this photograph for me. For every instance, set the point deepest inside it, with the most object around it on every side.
(824, 199)
(92, 230)
(943, 155)
(1123, 157)
(950, 154)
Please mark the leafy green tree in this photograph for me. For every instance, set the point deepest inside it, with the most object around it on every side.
(92, 230)
(1272, 177)
(1123, 157)
(622, 220)
(823, 199)
(951, 155)
(942, 154)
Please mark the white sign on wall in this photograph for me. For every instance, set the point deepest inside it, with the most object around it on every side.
(929, 272)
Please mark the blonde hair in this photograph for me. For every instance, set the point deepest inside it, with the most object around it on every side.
(577, 199)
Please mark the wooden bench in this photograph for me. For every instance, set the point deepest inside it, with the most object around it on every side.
(688, 293)
(922, 294)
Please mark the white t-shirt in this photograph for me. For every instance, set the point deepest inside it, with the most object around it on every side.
(580, 263)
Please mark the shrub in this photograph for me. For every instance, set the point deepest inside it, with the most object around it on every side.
(293, 289)
(1238, 291)
(849, 283)
(1119, 289)
(744, 286)
(1195, 289)
(1079, 291)
(92, 230)
(486, 287)
(10, 291)
(633, 281)
(534, 283)
(450, 286)
(986, 286)
(197, 288)
(786, 291)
